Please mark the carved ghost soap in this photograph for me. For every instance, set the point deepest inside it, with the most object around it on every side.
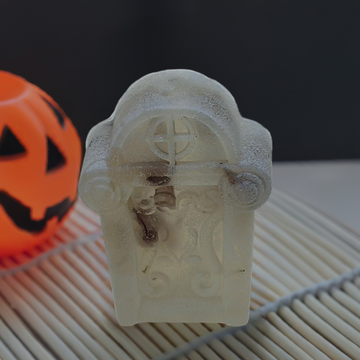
(176, 174)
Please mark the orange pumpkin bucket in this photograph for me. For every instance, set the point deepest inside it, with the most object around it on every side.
(40, 156)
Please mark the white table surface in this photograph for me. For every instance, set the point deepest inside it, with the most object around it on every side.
(331, 186)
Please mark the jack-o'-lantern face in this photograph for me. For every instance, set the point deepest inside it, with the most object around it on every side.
(40, 156)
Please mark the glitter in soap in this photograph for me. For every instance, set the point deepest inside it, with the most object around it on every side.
(176, 174)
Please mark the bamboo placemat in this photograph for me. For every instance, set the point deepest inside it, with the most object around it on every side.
(56, 300)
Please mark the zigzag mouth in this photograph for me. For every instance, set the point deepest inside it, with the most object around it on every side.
(21, 214)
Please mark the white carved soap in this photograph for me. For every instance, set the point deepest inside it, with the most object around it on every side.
(176, 174)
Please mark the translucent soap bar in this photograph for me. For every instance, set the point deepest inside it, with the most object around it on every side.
(176, 174)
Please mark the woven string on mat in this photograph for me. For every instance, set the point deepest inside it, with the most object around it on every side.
(56, 300)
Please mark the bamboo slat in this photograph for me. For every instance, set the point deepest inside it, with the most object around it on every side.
(56, 300)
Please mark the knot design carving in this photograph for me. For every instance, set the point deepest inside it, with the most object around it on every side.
(244, 190)
(171, 137)
(195, 257)
(101, 195)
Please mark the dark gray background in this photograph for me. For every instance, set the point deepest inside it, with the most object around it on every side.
(292, 65)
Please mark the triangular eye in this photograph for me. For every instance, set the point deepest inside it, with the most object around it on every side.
(55, 158)
(57, 113)
(9, 144)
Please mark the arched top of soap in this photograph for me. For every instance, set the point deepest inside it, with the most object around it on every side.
(179, 126)
(183, 91)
